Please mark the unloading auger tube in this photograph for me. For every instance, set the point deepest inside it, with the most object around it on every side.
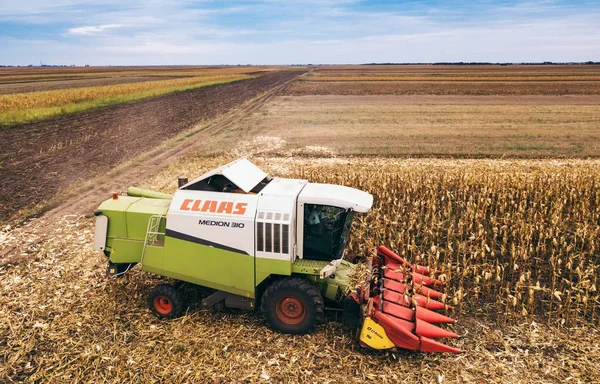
(398, 306)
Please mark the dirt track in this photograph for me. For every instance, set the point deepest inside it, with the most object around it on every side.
(38, 160)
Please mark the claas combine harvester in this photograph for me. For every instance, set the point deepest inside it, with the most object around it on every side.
(273, 243)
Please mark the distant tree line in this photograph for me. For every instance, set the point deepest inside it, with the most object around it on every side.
(490, 63)
(436, 63)
(43, 66)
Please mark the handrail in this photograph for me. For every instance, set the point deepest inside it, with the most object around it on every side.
(152, 233)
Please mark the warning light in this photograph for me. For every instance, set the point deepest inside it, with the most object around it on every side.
(115, 196)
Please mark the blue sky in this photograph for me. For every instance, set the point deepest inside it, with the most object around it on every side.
(114, 32)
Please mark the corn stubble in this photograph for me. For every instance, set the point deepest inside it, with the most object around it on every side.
(513, 239)
(64, 321)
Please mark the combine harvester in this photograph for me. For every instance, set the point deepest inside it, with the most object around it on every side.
(272, 243)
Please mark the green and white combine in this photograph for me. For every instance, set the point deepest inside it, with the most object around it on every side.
(257, 241)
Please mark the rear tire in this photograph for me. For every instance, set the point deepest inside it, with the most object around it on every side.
(292, 305)
(166, 301)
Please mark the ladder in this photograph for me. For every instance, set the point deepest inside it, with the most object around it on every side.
(152, 233)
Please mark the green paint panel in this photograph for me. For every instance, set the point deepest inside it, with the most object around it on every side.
(267, 267)
(330, 291)
(338, 286)
(127, 224)
(128, 216)
(125, 251)
(342, 274)
(115, 211)
(140, 212)
(308, 267)
(153, 257)
(208, 266)
(331, 288)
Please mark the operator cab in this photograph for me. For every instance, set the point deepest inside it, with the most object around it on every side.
(327, 213)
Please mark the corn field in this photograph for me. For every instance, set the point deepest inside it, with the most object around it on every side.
(19, 75)
(513, 239)
(41, 99)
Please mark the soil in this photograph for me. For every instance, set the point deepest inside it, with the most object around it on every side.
(38, 160)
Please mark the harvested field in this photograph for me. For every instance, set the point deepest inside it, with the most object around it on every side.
(451, 80)
(490, 126)
(516, 239)
(443, 70)
(39, 159)
(445, 88)
(64, 321)
(443, 73)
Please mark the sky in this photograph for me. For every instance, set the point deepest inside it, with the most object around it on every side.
(205, 32)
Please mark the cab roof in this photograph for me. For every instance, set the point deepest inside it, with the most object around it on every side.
(337, 196)
(240, 172)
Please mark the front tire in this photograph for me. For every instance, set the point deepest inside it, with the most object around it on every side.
(166, 301)
(292, 305)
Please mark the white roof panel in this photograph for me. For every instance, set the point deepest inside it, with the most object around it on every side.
(280, 195)
(337, 196)
(241, 172)
(284, 187)
(244, 174)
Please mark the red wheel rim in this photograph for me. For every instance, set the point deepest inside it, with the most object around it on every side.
(163, 305)
(290, 310)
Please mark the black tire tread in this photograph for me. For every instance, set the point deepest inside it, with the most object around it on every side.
(174, 296)
(303, 287)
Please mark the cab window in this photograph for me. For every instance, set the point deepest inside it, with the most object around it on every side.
(324, 231)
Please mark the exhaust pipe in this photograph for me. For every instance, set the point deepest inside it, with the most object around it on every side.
(181, 181)
(139, 192)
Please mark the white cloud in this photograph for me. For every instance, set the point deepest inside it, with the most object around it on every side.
(296, 31)
(158, 48)
(92, 29)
